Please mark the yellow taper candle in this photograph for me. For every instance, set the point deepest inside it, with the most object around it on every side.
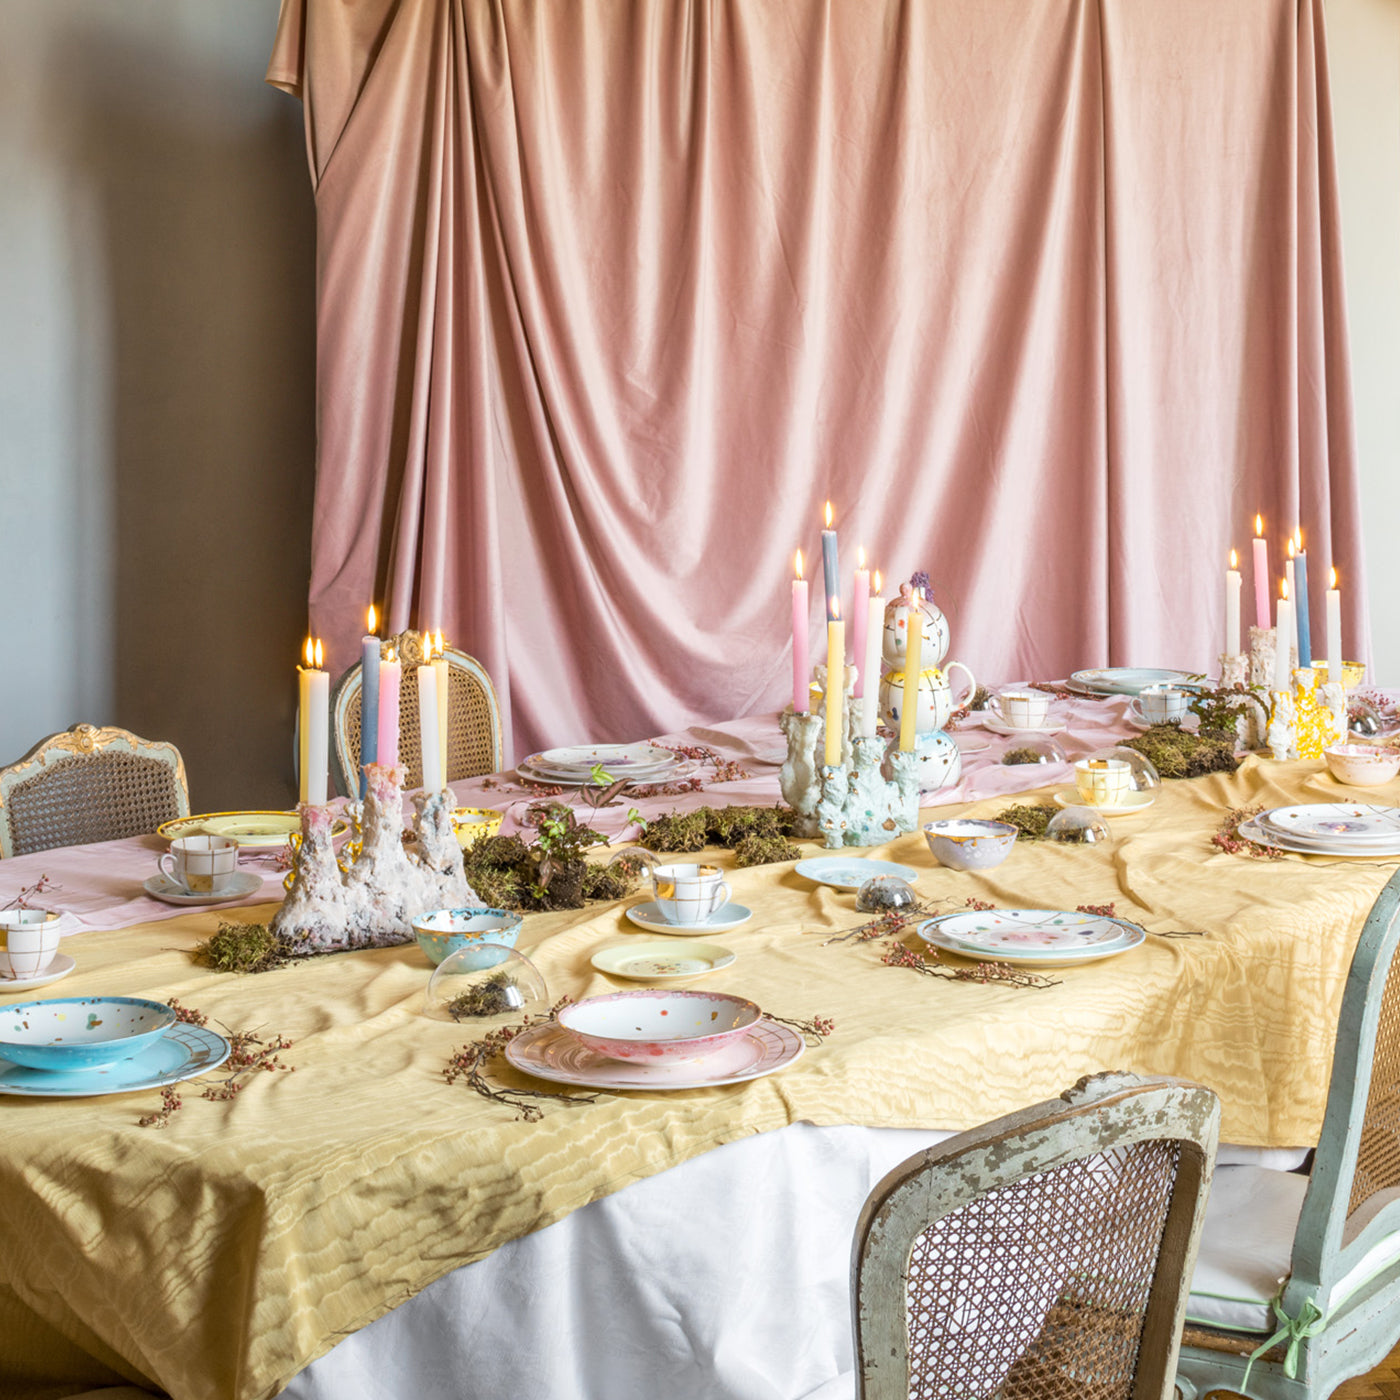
(835, 688)
(913, 661)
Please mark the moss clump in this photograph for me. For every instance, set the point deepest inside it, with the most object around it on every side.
(763, 850)
(243, 948)
(1176, 754)
(677, 832)
(981, 697)
(1029, 821)
(721, 826)
(1025, 754)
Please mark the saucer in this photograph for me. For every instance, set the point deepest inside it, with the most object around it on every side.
(999, 726)
(548, 1051)
(61, 966)
(1136, 802)
(163, 888)
(661, 961)
(181, 1053)
(726, 917)
(968, 743)
(1189, 723)
(850, 872)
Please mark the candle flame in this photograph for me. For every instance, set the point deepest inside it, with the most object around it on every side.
(1258, 524)
(879, 583)
(1234, 560)
(393, 655)
(309, 652)
(437, 641)
(1290, 546)
(1334, 576)
(834, 613)
(1283, 589)
(828, 515)
(797, 563)
(320, 655)
(371, 618)
(860, 556)
(1298, 536)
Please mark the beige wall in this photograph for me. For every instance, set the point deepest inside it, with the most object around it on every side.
(156, 383)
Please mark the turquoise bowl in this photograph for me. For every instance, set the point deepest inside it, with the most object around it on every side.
(444, 931)
(78, 1033)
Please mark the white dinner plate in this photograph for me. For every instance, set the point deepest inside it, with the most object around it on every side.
(999, 726)
(1037, 933)
(61, 966)
(661, 961)
(1356, 824)
(181, 1053)
(1130, 680)
(1252, 831)
(531, 774)
(548, 1051)
(850, 872)
(946, 944)
(1131, 804)
(162, 887)
(618, 759)
(726, 917)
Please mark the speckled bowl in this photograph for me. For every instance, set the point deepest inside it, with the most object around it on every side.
(473, 824)
(1362, 765)
(444, 931)
(659, 1025)
(78, 1033)
(965, 844)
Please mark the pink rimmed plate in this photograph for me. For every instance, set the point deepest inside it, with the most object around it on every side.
(549, 1052)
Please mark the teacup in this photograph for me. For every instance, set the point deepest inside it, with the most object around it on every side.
(688, 894)
(201, 864)
(1103, 782)
(1021, 709)
(31, 939)
(1163, 704)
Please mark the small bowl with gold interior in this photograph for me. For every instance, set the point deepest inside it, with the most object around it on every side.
(473, 824)
(659, 1026)
(1362, 765)
(444, 931)
(966, 844)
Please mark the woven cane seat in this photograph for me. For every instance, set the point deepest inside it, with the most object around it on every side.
(474, 739)
(86, 785)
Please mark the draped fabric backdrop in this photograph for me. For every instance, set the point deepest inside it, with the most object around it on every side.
(1044, 295)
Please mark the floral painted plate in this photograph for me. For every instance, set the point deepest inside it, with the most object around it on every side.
(181, 1053)
(1264, 836)
(621, 760)
(850, 872)
(549, 1052)
(1341, 823)
(662, 960)
(1032, 937)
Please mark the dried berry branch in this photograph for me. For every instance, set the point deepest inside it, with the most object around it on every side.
(1227, 836)
(813, 1031)
(41, 886)
(930, 966)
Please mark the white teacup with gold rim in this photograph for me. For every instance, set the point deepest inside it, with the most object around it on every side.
(1163, 704)
(688, 894)
(30, 940)
(1103, 782)
(1021, 709)
(201, 864)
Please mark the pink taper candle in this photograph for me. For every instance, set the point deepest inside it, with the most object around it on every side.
(801, 667)
(390, 674)
(860, 607)
(1261, 575)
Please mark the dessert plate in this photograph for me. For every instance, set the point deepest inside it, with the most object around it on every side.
(1133, 938)
(850, 872)
(162, 887)
(726, 917)
(1130, 680)
(661, 961)
(999, 726)
(1030, 932)
(1353, 824)
(181, 1053)
(1133, 802)
(548, 1051)
(61, 966)
(1349, 850)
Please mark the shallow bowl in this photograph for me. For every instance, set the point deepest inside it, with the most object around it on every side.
(473, 824)
(1362, 765)
(444, 931)
(79, 1033)
(965, 844)
(659, 1025)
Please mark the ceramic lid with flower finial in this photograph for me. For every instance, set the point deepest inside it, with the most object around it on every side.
(937, 636)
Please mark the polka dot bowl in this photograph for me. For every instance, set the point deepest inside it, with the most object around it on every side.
(80, 1033)
(658, 1026)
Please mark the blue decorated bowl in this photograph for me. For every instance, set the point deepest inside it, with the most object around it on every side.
(965, 844)
(444, 931)
(80, 1033)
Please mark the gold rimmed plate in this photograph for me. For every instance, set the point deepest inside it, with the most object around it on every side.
(254, 830)
(661, 961)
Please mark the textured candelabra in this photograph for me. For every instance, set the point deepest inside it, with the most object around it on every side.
(369, 903)
(1307, 719)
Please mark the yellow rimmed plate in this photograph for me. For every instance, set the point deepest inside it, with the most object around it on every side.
(254, 830)
(660, 961)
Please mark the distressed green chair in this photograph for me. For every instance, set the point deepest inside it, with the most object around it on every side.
(1302, 1273)
(474, 734)
(1044, 1256)
(89, 784)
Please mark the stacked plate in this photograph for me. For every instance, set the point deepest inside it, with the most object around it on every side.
(1031, 937)
(575, 766)
(1129, 680)
(1328, 829)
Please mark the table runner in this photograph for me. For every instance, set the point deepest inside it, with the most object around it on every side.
(255, 1232)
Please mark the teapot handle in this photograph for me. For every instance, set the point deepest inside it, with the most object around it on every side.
(971, 683)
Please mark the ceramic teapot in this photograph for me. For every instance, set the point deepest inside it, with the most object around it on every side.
(936, 634)
(936, 701)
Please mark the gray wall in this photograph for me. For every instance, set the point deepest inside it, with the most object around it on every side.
(156, 383)
(156, 370)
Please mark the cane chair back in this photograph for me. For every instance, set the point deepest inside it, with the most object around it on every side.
(1042, 1256)
(89, 784)
(1338, 1313)
(474, 738)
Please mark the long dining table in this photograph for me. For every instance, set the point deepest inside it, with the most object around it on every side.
(359, 1226)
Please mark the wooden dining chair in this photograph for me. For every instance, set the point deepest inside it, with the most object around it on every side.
(1297, 1287)
(1041, 1257)
(474, 734)
(88, 784)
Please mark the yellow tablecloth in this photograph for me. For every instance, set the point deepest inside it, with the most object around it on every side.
(219, 1256)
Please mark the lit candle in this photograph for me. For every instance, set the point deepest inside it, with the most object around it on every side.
(428, 745)
(390, 676)
(1261, 574)
(835, 685)
(801, 669)
(441, 675)
(314, 713)
(831, 574)
(1232, 606)
(913, 658)
(870, 662)
(1283, 643)
(1334, 632)
(1300, 604)
(860, 607)
(369, 696)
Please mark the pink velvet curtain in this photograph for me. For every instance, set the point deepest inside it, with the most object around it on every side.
(1043, 295)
